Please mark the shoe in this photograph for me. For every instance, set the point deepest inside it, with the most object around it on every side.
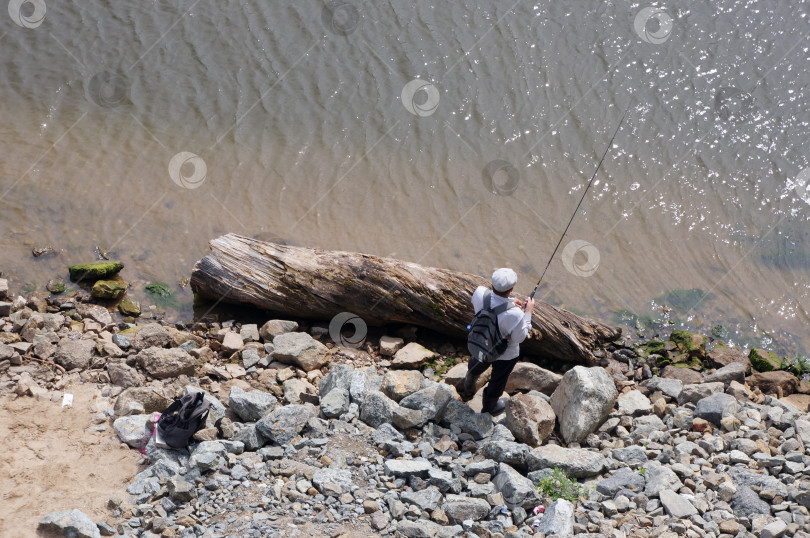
(497, 409)
(469, 384)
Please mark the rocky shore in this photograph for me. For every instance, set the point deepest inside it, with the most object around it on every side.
(677, 437)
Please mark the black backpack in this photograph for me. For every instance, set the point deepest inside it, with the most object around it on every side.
(182, 419)
(484, 340)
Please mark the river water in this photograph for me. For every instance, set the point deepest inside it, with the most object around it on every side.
(459, 135)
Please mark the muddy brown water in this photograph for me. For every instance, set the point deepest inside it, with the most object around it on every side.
(459, 136)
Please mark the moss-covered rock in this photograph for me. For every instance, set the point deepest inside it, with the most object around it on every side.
(108, 289)
(763, 360)
(94, 271)
(653, 346)
(162, 295)
(691, 343)
(128, 307)
(55, 286)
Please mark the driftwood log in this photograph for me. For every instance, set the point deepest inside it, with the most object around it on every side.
(319, 284)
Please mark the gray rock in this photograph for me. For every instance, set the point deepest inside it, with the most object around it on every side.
(774, 529)
(659, 477)
(407, 468)
(479, 425)
(668, 386)
(634, 403)
(300, 349)
(697, 391)
(275, 327)
(361, 382)
(746, 477)
(250, 357)
(530, 418)
(377, 409)
(509, 452)
(527, 376)
(251, 406)
(330, 481)
(622, 479)
(94, 312)
(181, 489)
(165, 363)
(335, 403)
(489, 467)
(151, 335)
(460, 509)
(713, 408)
(248, 435)
(386, 433)
(74, 354)
(676, 505)
(643, 426)
(431, 401)
(69, 523)
(132, 430)
(747, 503)
(517, 490)
(577, 462)
(582, 401)
(630, 455)
(444, 480)
(121, 341)
(208, 455)
(283, 424)
(339, 377)
(123, 375)
(427, 499)
(734, 371)
(558, 519)
(404, 418)
(249, 332)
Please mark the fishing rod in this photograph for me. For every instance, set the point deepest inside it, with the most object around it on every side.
(580, 202)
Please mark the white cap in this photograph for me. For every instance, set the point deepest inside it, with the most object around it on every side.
(503, 279)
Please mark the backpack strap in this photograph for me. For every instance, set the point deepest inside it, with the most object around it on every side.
(498, 310)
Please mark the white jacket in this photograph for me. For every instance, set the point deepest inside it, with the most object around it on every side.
(513, 323)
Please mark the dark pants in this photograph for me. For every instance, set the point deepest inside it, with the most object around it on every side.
(497, 382)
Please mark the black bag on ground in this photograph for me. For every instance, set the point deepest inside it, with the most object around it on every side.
(182, 419)
(484, 340)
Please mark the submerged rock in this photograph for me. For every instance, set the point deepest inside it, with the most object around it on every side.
(94, 270)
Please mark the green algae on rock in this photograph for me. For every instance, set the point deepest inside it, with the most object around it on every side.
(94, 270)
(128, 307)
(691, 343)
(763, 360)
(108, 289)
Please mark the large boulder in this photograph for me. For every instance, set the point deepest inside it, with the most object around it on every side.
(397, 384)
(479, 425)
(75, 353)
(582, 401)
(283, 424)
(69, 523)
(530, 419)
(251, 406)
(412, 355)
(695, 392)
(165, 363)
(734, 371)
(775, 382)
(151, 335)
(527, 376)
(300, 349)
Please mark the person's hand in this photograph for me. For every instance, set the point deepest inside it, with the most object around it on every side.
(519, 303)
(529, 306)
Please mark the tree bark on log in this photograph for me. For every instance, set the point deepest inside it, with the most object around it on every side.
(318, 284)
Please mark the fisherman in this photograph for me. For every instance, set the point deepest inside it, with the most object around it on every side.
(514, 323)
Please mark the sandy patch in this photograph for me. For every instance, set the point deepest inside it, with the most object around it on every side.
(52, 461)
